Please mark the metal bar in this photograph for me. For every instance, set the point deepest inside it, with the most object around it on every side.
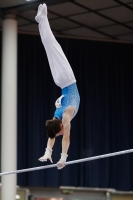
(69, 162)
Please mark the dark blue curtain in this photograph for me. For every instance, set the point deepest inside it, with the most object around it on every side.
(104, 123)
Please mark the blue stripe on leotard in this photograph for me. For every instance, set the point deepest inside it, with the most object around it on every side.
(71, 98)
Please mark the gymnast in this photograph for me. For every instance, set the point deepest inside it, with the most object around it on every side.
(67, 104)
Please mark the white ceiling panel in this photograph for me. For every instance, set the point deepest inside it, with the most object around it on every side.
(97, 4)
(130, 24)
(29, 15)
(120, 14)
(84, 32)
(92, 20)
(9, 3)
(65, 9)
(115, 30)
(29, 28)
(61, 24)
(131, 5)
(126, 37)
(52, 16)
(126, 1)
(22, 22)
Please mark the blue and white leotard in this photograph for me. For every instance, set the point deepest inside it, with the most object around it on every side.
(70, 97)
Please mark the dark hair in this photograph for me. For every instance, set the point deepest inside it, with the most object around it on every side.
(53, 127)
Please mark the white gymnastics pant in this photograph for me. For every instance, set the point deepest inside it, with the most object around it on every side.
(60, 68)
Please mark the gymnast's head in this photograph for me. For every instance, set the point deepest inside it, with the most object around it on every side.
(54, 128)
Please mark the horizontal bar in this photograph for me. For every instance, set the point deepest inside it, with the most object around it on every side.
(69, 162)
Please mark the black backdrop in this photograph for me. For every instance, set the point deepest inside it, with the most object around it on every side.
(104, 123)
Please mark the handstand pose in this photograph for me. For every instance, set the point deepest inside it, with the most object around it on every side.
(67, 105)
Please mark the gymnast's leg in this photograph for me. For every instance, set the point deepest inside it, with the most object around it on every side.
(59, 65)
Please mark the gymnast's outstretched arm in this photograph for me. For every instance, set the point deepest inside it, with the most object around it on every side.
(65, 140)
(48, 152)
(66, 121)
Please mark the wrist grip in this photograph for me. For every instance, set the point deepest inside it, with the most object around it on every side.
(48, 151)
(64, 157)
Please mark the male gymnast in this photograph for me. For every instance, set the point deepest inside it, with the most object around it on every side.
(68, 104)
